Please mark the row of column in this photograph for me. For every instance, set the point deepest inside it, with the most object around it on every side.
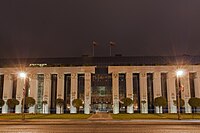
(171, 90)
(8, 86)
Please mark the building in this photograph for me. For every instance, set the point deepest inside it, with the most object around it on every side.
(101, 82)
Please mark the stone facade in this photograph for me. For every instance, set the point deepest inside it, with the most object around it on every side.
(87, 71)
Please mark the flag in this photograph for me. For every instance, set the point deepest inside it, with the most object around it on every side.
(112, 43)
(94, 43)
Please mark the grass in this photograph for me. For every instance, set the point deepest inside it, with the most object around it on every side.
(114, 116)
(45, 116)
(154, 116)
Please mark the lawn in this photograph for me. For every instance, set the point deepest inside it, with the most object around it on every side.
(45, 116)
(154, 116)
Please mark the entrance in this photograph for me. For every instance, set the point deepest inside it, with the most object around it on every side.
(102, 107)
(101, 95)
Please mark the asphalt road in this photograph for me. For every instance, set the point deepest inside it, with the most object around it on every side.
(100, 128)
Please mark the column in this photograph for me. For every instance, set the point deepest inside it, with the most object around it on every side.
(87, 96)
(185, 92)
(197, 84)
(60, 91)
(115, 90)
(73, 92)
(7, 91)
(171, 93)
(157, 88)
(143, 92)
(19, 94)
(129, 90)
(33, 91)
(47, 92)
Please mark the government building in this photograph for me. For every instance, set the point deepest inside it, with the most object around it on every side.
(100, 82)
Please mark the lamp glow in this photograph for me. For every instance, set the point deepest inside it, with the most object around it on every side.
(22, 75)
(179, 73)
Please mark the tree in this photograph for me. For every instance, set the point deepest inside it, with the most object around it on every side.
(60, 103)
(194, 102)
(160, 102)
(12, 103)
(44, 103)
(77, 103)
(2, 102)
(126, 102)
(29, 102)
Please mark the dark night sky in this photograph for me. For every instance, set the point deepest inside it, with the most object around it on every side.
(62, 28)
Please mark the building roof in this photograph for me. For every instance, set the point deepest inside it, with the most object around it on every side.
(102, 61)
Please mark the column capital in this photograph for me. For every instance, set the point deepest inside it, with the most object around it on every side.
(60, 76)
(7, 77)
(115, 75)
(47, 76)
(32, 76)
(73, 75)
(128, 75)
(156, 75)
(143, 74)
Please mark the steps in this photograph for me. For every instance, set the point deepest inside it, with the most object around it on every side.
(101, 116)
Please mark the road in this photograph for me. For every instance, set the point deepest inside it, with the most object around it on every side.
(102, 127)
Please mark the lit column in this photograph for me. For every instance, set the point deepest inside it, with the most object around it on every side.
(115, 89)
(197, 85)
(33, 91)
(19, 94)
(47, 92)
(73, 92)
(60, 92)
(171, 92)
(129, 90)
(7, 92)
(87, 96)
(185, 92)
(157, 88)
(143, 93)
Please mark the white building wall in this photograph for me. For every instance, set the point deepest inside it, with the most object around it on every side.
(7, 91)
(87, 101)
(129, 90)
(47, 92)
(197, 84)
(74, 88)
(143, 92)
(171, 92)
(115, 87)
(185, 92)
(157, 89)
(60, 91)
(20, 94)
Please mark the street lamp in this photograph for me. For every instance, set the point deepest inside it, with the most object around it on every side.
(23, 76)
(179, 74)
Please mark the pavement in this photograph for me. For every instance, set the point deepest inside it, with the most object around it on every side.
(87, 121)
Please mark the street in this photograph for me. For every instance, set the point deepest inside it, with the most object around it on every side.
(102, 127)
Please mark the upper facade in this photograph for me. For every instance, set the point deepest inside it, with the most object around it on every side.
(103, 61)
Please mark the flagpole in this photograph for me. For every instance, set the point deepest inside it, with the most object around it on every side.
(111, 45)
(93, 45)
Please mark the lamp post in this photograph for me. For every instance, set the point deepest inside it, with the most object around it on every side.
(23, 76)
(179, 74)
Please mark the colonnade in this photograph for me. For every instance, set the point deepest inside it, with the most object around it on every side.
(115, 71)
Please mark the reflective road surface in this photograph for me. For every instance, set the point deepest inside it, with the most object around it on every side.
(100, 128)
